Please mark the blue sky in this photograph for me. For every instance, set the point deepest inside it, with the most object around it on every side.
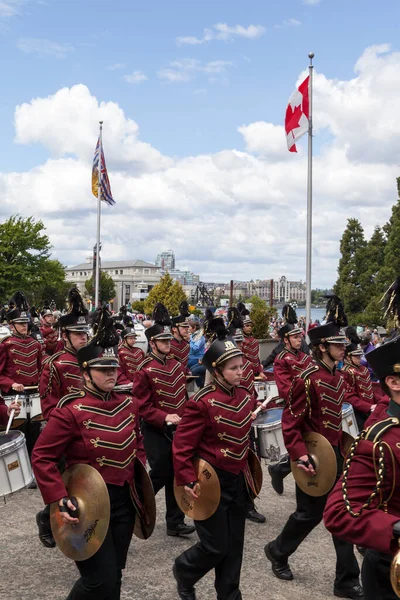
(188, 99)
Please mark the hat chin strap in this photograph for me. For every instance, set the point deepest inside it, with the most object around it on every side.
(96, 387)
(223, 378)
(326, 344)
(165, 354)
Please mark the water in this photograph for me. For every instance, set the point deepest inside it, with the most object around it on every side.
(316, 313)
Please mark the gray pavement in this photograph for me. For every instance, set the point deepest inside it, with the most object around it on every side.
(31, 572)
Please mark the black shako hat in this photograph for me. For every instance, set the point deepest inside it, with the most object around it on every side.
(288, 330)
(353, 350)
(385, 360)
(102, 350)
(329, 333)
(19, 311)
(222, 348)
(76, 319)
(182, 319)
(161, 330)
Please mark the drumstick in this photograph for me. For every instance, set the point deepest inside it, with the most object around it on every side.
(10, 418)
(263, 405)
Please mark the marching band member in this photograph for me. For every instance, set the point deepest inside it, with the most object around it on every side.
(48, 332)
(130, 357)
(314, 403)
(98, 427)
(160, 387)
(215, 427)
(251, 346)
(180, 346)
(359, 380)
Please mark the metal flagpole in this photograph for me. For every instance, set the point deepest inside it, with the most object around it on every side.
(309, 197)
(97, 280)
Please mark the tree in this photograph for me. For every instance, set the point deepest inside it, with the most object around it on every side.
(348, 285)
(107, 287)
(261, 315)
(25, 263)
(138, 305)
(169, 292)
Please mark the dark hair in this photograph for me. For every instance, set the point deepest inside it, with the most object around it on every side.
(317, 352)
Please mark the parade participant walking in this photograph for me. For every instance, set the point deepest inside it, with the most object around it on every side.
(216, 427)
(48, 332)
(251, 346)
(130, 357)
(314, 403)
(363, 398)
(160, 386)
(287, 365)
(364, 507)
(20, 361)
(180, 346)
(98, 427)
(61, 375)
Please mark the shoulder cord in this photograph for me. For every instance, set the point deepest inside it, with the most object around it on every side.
(308, 403)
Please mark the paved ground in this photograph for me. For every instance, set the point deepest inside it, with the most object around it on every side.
(28, 571)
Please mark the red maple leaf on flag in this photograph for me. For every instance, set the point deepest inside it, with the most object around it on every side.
(297, 114)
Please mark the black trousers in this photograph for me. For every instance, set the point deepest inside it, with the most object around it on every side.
(375, 575)
(221, 541)
(307, 516)
(102, 573)
(159, 454)
(31, 430)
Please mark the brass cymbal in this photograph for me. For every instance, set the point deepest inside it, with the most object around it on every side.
(395, 574)
(256, 471)
(81, 540)
(326, 466)
(145, 518)
(208, 490)
(347, 441)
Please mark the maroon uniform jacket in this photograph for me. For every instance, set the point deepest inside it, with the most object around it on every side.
(3, 413)
(247, 380)
(359, 380)
(373, 528)
(216, 426)
(101, 430)
(60, 376)
(129, 360)
(287, 365)
(180, 351)
(314, 403)
(251, 350)
(20, 361)
(50, 339)
(160, 386)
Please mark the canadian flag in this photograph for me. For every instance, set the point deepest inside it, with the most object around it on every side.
(297, 114)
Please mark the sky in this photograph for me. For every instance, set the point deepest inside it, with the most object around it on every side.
(193, 96)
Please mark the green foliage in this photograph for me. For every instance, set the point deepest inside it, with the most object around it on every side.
(169, 292)
(261, 315)
(138, 305)
(25, 263)
(107, 287)
(196, 311)
(348, 286)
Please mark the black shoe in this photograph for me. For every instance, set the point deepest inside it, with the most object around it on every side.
(181, 529)
(355, 591)
(32, 485)
(183, 592)
(45, 535)
(280, 569)
(276, 479)
(254, 515)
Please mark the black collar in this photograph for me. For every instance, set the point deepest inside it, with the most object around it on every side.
(327, 367)
(158, 359)
(100, 395)
(228, 390)
(291, 351)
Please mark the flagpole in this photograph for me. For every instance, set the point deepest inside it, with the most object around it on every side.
(309, 198)
(97, 274)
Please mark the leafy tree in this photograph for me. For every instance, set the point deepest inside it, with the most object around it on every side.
(348, 285)
(50, 285)
(138, 305)
(261, 315)
(169, 292)
(107, 287)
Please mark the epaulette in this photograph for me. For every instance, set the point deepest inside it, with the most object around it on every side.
(281, 354)
(307, 372)
(145, 362)
(205, 390)
(73, 396)
(375, 432)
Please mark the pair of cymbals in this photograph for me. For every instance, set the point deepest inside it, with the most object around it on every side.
(324, 458)
(208, 490)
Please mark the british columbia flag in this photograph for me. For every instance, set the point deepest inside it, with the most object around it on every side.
(105, 188)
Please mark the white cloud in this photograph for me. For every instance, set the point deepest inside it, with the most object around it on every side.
(289, 23)
(44, 47)
(135, 77)
(9, 8)
(223, 32)
(234, 214)
(187, 69)
(116, 67)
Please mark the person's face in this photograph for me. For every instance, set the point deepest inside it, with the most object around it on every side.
(162, 347)
(105, 379)
(337, 351)
(247, 329)
(78, 339)
(192, 327)
(232, 370)
(294, 341)
(20, 328)
(130, 340)
(48, 319)
(184, 332)
(393, 383)
(356, 360)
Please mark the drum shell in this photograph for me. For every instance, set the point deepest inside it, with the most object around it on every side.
(349, 423)
(23, 401)
(35, 407)
(267, 428)
(15, 469)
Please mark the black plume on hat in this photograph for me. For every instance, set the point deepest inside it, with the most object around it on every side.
(184, 309)
(208, 314)
(235, 320)
(127, 321)
(242, 309)
(352, 335)
(391, 301)
(106, 334)
(161, 315)
(20, 301)
(217, 328)
(335, 311)
(289, 314)
(75, 303)
(34, 313)
(123, 310)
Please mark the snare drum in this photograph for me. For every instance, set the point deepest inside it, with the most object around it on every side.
(261, 390)
(23, 401)
(271, 389)
(35, 407)
(268, 433)
(349, 423)
(15, 469)
(191, 387)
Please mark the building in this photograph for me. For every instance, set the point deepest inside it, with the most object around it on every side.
(166, 261)
(283, 290)
(133, 279)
